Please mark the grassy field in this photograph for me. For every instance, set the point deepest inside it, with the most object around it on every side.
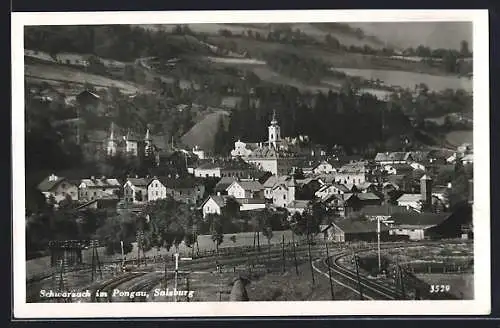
(59, 73)
(459, 137)
(410, 79)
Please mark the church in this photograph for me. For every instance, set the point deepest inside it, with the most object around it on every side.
(131, 145)
(274, 155)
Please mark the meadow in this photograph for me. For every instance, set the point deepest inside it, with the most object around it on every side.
(457, 138)
(58, 73)
(410, 79)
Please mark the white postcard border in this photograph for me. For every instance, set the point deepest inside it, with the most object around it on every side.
(481, 209)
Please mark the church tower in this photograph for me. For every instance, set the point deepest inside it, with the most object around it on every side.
(274, 132)
(112, 142)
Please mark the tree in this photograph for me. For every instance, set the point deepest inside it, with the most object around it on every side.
(464, 49)
(215, 224)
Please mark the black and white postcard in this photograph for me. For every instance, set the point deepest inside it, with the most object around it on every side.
(250, 163)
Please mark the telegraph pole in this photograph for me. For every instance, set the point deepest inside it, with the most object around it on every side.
(295, 254)
(283, 250)
(329, 271)
(176, 275)
(378, 245)
(360, 287)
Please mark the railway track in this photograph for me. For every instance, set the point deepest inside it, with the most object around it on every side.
(371, 289)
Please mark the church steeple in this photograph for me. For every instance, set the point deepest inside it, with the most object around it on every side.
(112, 142)
(274, 132)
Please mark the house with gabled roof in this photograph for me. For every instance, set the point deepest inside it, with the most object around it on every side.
(271, 182)
(220, 188)
(355, 230)
(284, 192)
(188, 190)
(58, 188)
(246, 189)
(417, 226)
(135, 190)
(96, 188)
(323, 167)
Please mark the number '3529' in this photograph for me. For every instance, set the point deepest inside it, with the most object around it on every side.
(439, 288)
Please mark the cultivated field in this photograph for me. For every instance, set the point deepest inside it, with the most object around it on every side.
(57, 73)
(410, 79)
(459, 137)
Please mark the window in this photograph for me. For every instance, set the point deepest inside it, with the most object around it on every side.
(157, 193)
(284, 196)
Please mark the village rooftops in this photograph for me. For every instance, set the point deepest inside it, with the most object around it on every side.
(249, 185)
(139, 182)
(274, 180)
(383, 210)
(178, 183)
(356, 167)
(412, 219)
(101, 182)
(410, 198)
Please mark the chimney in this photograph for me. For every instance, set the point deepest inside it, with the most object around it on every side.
(136, 176)
(103, 177)
(92, 178)
(52, 177)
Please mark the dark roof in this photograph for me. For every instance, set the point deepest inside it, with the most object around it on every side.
(419, 219)
(181, 183)
(359, 226)
(386, 209)
(139, 182)
(224, 183)
(251, 185)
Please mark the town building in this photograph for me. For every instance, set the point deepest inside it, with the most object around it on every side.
(272, 155)
(355, 230)
(135, 190)
(417, 226)
(283, 192)
(187, 190)
(220, 188)
(90, 189)
(208, 170)
(246, 189)
(297, 206)
(58, 188)
(323, 168)
(353, 173)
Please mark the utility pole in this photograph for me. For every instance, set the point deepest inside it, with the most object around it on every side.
(329, 270)
(401, 279)
(176, 275)
(123, 255)
(378, 245)
(187, 288)
(309, 251)
(283, 250)
(295, 254)
(360, 287)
